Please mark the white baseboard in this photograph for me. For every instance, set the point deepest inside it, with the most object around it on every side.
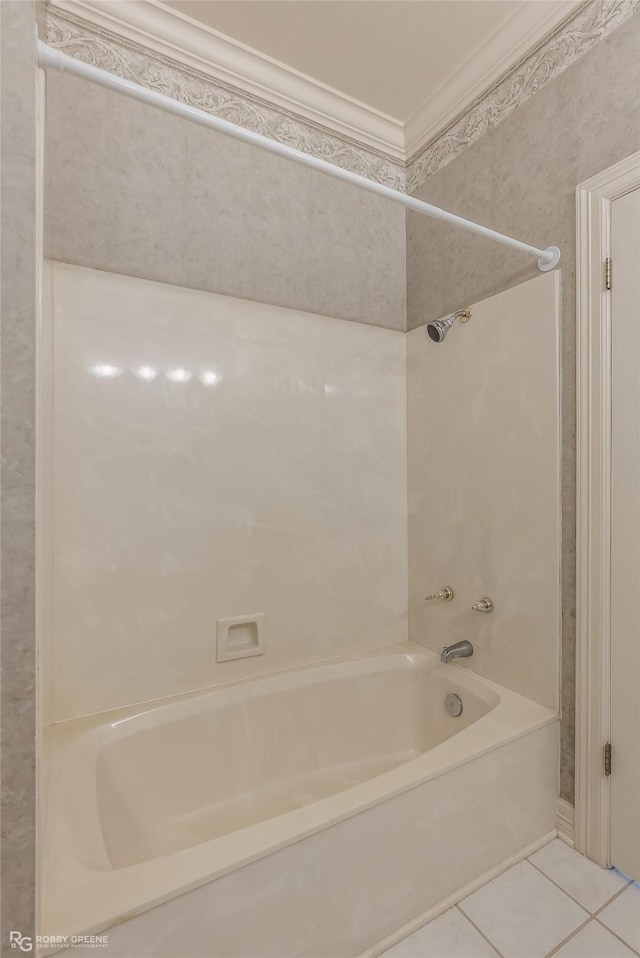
(565, 820)
(458, 895)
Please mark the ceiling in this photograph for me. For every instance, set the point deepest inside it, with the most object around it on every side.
(391, 55)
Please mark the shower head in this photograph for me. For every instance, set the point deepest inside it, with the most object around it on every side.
(438, 330)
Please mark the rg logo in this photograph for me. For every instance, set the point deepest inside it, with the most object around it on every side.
(20, 941)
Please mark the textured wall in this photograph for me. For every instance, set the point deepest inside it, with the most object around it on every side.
(18, 307)
(483, 434)
(133, 190)
(520, 178)
(271, 480)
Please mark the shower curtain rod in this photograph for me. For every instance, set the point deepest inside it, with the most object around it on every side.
(50, 58)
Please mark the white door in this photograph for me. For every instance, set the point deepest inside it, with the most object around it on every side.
(625, 534)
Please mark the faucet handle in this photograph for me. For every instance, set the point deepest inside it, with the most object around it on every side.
(446, 593)
(484, 605)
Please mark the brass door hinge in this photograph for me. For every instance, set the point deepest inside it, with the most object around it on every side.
(607, 273)
(607, 759)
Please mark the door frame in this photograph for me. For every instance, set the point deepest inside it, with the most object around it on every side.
(593, 519)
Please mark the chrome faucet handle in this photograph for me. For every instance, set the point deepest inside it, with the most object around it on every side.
(446, 593)
(484, 605)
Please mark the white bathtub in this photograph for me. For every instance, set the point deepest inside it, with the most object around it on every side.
(314, 811)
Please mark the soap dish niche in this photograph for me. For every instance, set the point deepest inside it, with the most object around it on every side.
(241, 637)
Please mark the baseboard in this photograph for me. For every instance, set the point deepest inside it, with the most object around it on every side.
(461, 893)
(565, 820)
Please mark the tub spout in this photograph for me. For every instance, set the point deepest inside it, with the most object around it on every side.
(459, 650)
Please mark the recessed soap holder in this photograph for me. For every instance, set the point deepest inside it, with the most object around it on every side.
(241, 637)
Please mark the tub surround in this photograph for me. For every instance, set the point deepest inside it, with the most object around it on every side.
(484, 499)
(391, 762)
(215, 458)
(254, 463)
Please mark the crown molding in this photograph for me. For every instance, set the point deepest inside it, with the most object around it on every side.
(95, 41)
(497, 56)
(156, 47)
(171, 34)
(592, 22)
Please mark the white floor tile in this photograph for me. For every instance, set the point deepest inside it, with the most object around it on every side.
(448, 936)
(590, 885)
(594, 941)
(522, 913)
(623, 916)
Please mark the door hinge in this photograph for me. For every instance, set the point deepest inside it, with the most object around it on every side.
(607, 273)
(607, 759)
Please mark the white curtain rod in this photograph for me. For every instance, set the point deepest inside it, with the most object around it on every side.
(48, 57)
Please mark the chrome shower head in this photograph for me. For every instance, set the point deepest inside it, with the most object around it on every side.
(438, 329)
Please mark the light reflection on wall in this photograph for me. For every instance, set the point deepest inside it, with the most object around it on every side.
(179, 375)
(105, 371)
(148, 373)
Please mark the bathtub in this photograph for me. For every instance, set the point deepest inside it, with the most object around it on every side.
(309, 812)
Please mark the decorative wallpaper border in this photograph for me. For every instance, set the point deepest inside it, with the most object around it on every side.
(592, 21)
(107, 50)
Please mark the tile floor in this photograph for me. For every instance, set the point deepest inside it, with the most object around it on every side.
(555, 903)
